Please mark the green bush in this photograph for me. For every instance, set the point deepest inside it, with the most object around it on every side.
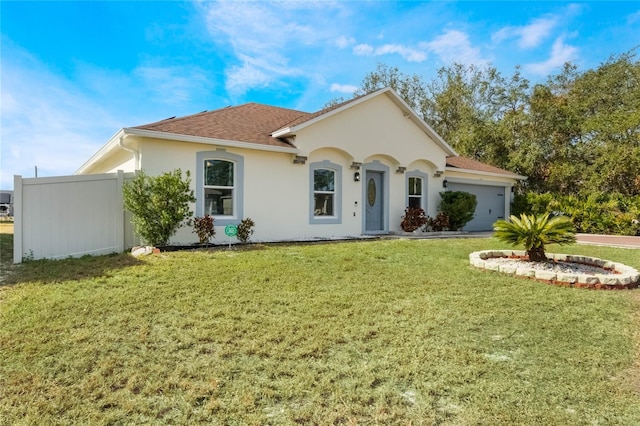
(596, 213)
(159, 205)
(459, 206)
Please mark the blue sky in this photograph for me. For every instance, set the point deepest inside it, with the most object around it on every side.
(74, 73)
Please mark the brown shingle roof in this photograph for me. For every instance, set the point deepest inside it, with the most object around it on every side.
(254, 123)
(250, 122)
(475, 165)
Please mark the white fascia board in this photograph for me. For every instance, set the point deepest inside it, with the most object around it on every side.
(481, 173)
(209, 141)
(111, 143)
(287, 131)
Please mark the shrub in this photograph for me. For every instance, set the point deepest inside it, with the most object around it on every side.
(159, 205)
(439, 223)
(603, 213)
(245, 229)
(459, 206)
(414, 218)
(534, 232)
(203, 226)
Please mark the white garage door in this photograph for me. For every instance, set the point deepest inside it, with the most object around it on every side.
(490, 204)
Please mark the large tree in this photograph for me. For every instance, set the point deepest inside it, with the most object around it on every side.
(576, 132)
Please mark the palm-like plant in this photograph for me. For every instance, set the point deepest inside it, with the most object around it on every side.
(534, 232)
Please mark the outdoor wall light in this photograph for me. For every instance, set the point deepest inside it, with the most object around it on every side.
(356, 177)
(445, 183)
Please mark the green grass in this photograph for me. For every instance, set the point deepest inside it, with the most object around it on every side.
(380, 332)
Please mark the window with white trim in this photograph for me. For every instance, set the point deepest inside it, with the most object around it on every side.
(415, 192)
(219, 187)
(324, 192)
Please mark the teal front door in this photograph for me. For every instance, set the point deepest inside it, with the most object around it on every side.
(374, 202)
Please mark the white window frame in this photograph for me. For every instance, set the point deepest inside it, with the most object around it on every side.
(336, 217)
(423, 198)
(222, 187)
(237, 190)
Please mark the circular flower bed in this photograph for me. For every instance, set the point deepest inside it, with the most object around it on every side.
(561, 269)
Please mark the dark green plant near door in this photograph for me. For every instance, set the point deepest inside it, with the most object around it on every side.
(534, 232)
(459, 206)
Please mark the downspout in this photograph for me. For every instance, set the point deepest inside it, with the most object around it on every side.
(135, 152)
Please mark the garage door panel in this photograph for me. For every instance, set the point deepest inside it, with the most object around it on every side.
(490, 206)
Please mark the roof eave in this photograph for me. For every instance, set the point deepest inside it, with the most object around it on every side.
(205, 140)
(131, 131)
(288, 131)
(104, 149)
(483, 173)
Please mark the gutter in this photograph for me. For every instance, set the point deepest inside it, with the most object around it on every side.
(135, 152)
(482, 173)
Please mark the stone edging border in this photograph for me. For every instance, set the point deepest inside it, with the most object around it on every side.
(624, 277)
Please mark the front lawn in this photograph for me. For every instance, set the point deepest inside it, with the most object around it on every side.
(375, 332)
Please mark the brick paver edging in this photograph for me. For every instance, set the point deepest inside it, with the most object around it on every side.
(624, 277)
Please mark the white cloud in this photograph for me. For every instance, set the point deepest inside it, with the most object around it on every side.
(408, 53)
(528, 36)
(560, 54)
(633, 18)
(364, 50)
(343, 42)
(452, 46)
(411, 55)
(173, 84)
(46, 121)
(343, 88)
(56, 123)
(455, 46)
(263, 36)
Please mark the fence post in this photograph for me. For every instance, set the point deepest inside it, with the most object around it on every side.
(121, 216)
(17, 219)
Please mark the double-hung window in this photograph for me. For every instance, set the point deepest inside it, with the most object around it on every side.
(324, 192)
(417, 189)
(219, 187)
(415, 192)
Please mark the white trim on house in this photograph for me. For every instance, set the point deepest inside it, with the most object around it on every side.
(114, 142)
(481, 173)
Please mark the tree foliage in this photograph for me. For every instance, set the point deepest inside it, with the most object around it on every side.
(160, 205)
(576, 133)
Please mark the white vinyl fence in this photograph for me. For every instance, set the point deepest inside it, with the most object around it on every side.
(70, 216)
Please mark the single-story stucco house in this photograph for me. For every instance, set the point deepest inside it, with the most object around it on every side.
(344, 171)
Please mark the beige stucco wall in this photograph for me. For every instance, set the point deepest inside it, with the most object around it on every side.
(276, 193)
(377, 130)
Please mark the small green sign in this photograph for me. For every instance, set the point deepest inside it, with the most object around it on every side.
(231, 230)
